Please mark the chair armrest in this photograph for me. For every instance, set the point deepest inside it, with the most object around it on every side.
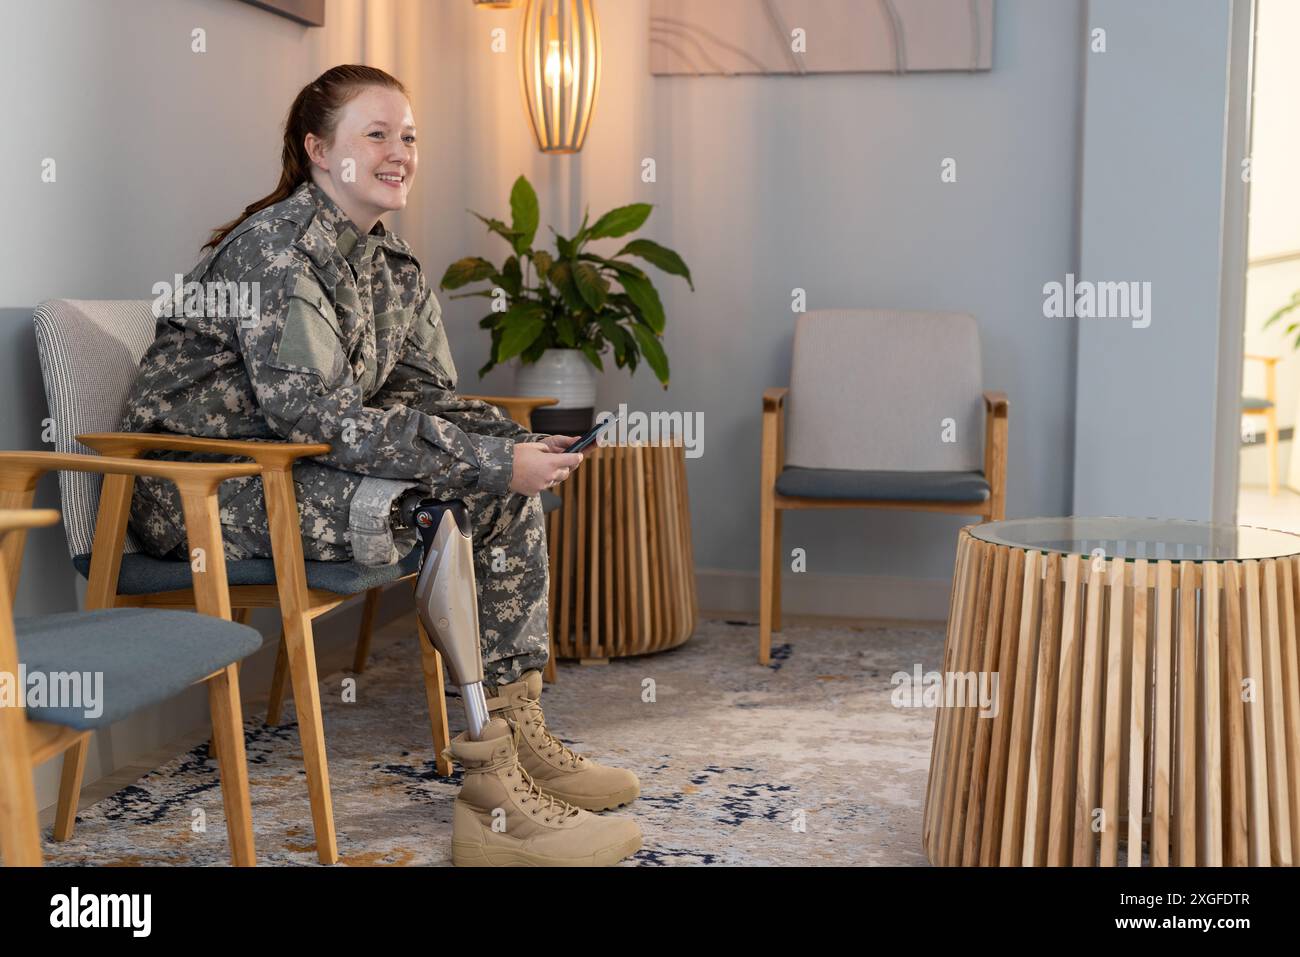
(995, 403)
(520, 408)
(15, 518)
(268, 454)
(274, 462)
(774, 398)
(196, 481)
(1267, 360)
(20, 471)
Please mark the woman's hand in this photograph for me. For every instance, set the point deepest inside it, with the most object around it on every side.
(537, 466)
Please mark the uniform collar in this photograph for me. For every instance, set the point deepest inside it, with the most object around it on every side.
(339, 232)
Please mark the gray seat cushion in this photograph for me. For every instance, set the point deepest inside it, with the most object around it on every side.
(145, 656)
(144, 575)
(872, 486)
(1252, 403)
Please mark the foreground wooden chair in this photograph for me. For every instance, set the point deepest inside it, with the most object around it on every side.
(89, 352)
(144, 657)
(885, 412)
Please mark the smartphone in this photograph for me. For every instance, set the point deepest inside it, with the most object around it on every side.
(590, 437)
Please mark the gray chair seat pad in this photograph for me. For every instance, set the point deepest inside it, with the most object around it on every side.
(872, 486)
(144, 575)
(1252, 403)
(145, 655)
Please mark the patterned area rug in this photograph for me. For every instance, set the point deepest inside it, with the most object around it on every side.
(805, 761)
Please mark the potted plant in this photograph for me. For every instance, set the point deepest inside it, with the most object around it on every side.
(558, 313)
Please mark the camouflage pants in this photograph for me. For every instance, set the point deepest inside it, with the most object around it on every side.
(509, 536)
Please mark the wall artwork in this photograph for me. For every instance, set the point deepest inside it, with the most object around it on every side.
(736, 37)
(309, 12)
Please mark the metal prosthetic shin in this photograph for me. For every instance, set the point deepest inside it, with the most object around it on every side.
(445, 595)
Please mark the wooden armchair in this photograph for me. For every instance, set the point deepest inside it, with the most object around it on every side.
(90, 351)
(886, 411)
(175, 649)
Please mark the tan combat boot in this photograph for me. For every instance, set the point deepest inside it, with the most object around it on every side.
(557, 769)
(501, 817)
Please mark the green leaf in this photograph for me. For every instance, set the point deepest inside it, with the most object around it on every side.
(564, 246)
(660, 256)
(542, 264)
(566, 331)
(562, 276)
(642, 293)
(591, 285)
(590, 352)
(534, 352)
(621, 221)
(615, 264)
(520, 327)
(511, 277)
(653, 351)
(524, 214)
(467, 270)
(500, 228)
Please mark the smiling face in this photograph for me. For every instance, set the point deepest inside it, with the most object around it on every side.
(369, 165)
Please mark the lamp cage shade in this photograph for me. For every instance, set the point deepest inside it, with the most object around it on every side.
(560, 71)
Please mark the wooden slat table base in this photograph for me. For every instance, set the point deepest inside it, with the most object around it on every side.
(622, 566)
(1147, 712)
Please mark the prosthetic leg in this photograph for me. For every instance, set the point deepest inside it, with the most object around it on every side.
(445, 595)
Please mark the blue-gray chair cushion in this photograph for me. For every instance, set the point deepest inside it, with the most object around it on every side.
(1253, 403)
(145, 655)
(144, 575)
(872, 486)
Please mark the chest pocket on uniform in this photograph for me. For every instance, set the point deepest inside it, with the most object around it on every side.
(430, 336)
(310, 336)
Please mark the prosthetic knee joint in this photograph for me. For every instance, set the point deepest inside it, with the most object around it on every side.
(445, 596)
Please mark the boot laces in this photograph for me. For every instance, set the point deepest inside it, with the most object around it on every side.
(532, 710)
(549, 802)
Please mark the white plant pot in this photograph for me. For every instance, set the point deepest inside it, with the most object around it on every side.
(565, 374)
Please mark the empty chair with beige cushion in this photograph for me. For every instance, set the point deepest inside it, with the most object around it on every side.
(885, 410)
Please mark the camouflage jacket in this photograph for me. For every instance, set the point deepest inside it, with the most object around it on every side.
(326, 336)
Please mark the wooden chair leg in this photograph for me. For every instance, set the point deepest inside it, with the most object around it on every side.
(1271, 440)
(74, 768)
(275, 703)
(436, 694)
(779, 563)
(20, 834)
(549, 672)
(367, 629)
(766, 571)
(300, 649)
(241, 615)
(228, 744)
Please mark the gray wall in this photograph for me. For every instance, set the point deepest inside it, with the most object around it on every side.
(1153, 156)
(830, 183)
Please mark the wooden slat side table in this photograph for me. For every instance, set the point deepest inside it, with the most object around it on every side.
(1148, 697)
(621, 560)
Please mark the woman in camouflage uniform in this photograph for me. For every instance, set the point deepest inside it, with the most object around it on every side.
(331, 333)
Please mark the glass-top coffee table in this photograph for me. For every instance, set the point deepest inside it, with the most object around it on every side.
(1145, 694)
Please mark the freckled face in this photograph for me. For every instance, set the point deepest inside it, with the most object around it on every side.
(371, 163)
